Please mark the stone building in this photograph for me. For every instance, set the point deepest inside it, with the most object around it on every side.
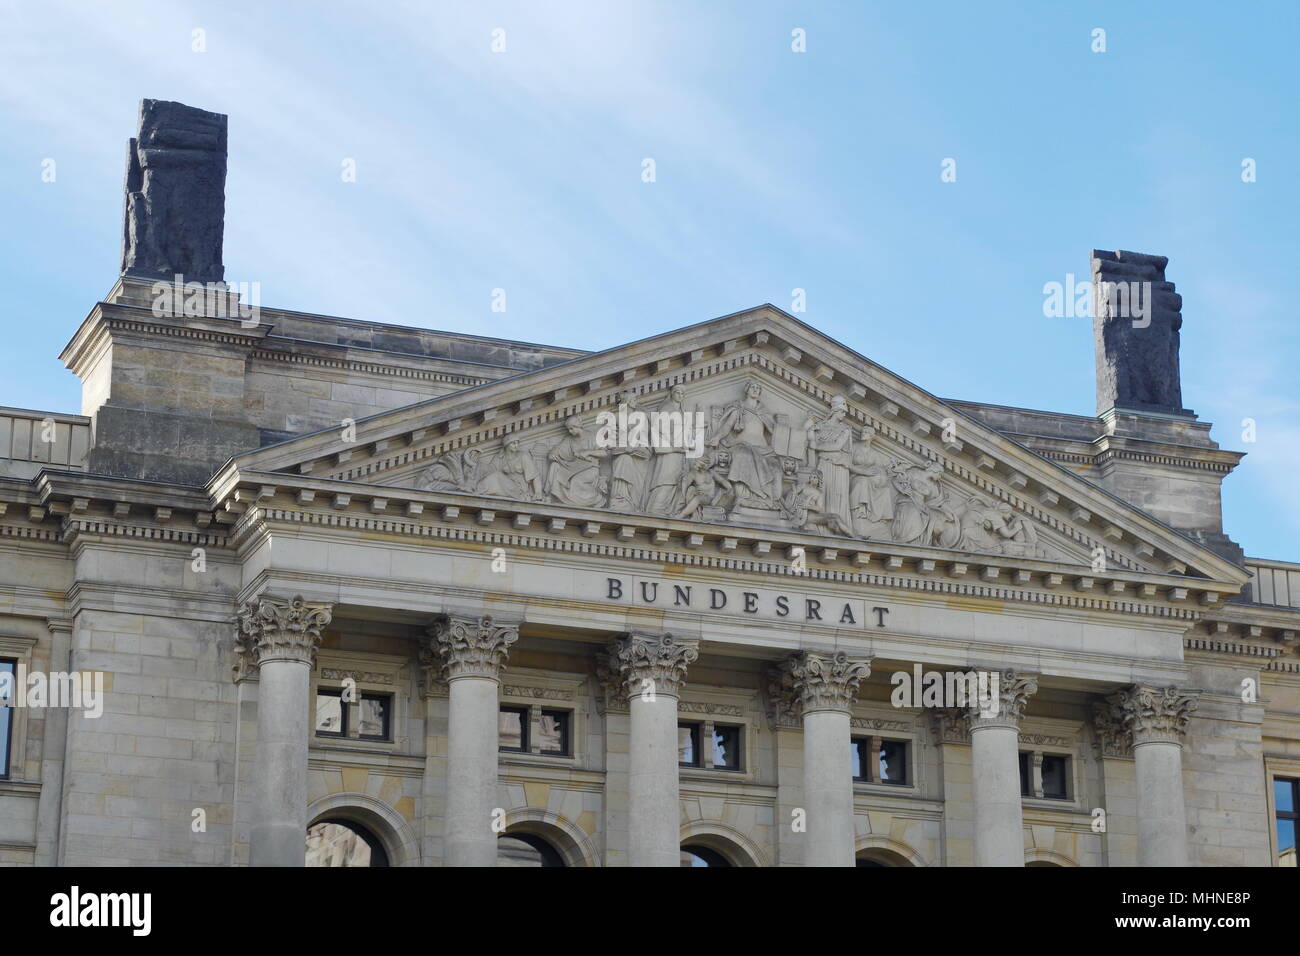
(357, 594)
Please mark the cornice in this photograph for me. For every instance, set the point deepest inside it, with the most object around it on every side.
(286, 357)
(95, 505)
(107, 318)
(1246, 630)
(462, 531)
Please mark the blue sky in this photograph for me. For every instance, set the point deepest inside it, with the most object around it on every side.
(521, 170)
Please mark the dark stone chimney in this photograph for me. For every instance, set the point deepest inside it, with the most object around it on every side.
(1136, 318)
(175, 194)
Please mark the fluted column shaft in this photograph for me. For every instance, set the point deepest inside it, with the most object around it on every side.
(279, 639)
(473, 652)
(822, 688)
(651, 669)
(1153, 721)
(995, 769)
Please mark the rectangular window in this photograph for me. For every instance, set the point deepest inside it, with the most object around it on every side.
(553, 732)
(1056, 777)
(688, 745)
(726, 747)
(1286, 803)
(331, 714)
(9, 668)
(374, 720)
(861, 757)
(893, 762)
(1025, 783)
(512, 727)
(879, 760)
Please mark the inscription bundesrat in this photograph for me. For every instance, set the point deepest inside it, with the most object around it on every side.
(761, 602)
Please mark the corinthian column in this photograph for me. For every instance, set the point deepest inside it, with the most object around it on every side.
(1154, 720)
(473, 652)
(652, 669)
(278, 639)
(995, 759)
(822, 688)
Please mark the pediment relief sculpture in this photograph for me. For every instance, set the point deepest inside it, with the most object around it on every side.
(741, 461)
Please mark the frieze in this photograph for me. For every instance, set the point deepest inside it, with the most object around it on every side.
(361, 677)
(758, 463)
(536, 693)
(1165, 605)
(876, 723)
(716, 710)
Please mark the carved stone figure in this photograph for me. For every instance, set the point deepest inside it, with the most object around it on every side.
(1136, 322)
(742, 478)
(515, 475)
(871, 489)
(807, 509)
(175, 194)
(830, 451)
(1019, 536)
(922, 514)
(669, 464)
(573, 477)
(701, 487)
(628, 471)
(980, 521)
(453, 471)
(743, 429)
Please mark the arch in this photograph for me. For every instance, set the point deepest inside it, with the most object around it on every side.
(1040, 856)
(570, 841)
(736, 848)
(388, 826)
(886, 851)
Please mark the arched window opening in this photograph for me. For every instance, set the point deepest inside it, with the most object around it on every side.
(880, 857)
(525, 849)
(693, 854)
(337, 842)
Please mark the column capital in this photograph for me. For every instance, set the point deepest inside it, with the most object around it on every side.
(1140, 714)
(466, 646)
(1013, 691)
(806, 682)
(271, 629)
(950, 725)
(639, 661)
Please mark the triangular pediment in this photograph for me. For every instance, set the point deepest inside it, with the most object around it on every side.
(754, 420)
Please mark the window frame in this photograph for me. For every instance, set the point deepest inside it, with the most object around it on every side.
(712, 728)
(696, 728)
(1066, 775)
(566, 725)
(11, 718)
(1279, 814)
(1031, 787)
(389, 702)
(343, 714)
(525, 722)
(869, 746)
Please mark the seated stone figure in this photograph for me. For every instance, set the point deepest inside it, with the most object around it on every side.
(515, 475)
(807, 509)
(701, 487)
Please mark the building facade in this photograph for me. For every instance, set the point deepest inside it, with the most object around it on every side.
(355, 594)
